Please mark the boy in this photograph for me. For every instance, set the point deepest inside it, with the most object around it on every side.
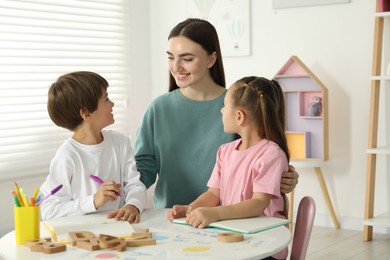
(79, 102)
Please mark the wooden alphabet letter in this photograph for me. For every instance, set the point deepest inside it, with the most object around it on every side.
(79, 236)
(106, 241)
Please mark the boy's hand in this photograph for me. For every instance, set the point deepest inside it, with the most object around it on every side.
(106, 192)
(178, 211)
(128, 213)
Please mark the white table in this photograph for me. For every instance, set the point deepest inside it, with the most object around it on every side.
(173, 242)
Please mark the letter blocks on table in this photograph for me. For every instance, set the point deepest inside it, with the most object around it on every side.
(87, 240)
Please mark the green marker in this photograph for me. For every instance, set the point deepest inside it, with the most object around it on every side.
(16, 200)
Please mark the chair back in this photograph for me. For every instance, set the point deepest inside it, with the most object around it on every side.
(303, 226)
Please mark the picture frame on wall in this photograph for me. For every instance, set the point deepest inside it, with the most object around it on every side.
(231, 19)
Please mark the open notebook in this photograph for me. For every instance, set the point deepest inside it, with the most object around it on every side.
(97, 223)
(244, 225)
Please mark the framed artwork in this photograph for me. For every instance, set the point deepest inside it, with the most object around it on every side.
(231, 18)
(276, 4)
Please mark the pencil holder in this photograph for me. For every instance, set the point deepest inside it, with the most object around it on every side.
(27, 227)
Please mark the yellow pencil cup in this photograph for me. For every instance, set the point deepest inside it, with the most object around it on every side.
(27, 227)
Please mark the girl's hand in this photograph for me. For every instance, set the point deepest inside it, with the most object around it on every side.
(201, 217)
(177, 211)
(128, 213)
(106, 192)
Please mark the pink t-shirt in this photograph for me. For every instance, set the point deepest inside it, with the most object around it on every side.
(238, 174)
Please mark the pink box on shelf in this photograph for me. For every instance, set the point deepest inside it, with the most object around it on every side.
(383, 5)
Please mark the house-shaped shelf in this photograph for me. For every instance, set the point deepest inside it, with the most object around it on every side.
(306, 100)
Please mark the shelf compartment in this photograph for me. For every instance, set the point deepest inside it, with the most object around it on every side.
(382, 220)
(385, 77)
(292, 68)
(298, 144)
(383, 5)
(379, 150)
(297, 84)
(305, 99)
(383, 14)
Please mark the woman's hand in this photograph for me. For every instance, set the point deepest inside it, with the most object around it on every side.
(289, 180)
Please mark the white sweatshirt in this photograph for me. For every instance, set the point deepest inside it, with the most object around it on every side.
(72, 165)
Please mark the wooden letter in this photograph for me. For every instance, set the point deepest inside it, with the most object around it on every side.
(106, 241)
(79, 236)
(91, 245)
(48, 247)
(141, 235)
(140, 242)
(40, 241)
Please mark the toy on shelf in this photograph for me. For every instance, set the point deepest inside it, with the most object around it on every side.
(315, 107)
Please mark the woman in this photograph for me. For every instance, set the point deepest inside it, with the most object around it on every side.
(182, 130)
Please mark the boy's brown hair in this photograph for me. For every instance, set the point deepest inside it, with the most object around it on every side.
(71, 93)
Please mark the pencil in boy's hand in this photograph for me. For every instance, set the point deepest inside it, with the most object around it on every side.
(97, 179)
(49, 194)
(100, 181)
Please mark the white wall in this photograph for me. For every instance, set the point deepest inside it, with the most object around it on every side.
(141, 75)
(335, 42)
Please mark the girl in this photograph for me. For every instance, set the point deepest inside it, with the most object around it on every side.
(245, 181)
